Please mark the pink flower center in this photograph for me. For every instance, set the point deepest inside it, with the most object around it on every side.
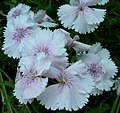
(30, 77)
(65, 78)
(44, 49)
(16, 13)
(96, 70)
(20, 33)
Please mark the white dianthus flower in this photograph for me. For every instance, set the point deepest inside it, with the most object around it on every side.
(20, 9)
(29, 86)
(16, 35)
(101, 67)
(44, 49)
(72, 91)
(43, 20)
(73, 43)
(79, 16)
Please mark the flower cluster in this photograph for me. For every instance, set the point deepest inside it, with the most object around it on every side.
(43, 55)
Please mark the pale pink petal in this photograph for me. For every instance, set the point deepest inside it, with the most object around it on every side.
(84, 2)
(111, 68)
(95, 92)
(43, 64)
(103, 2)
(80, 25)
(105, 84)
(62, 98)
(94, 16)
(58, 43)
(95, 48)
(47, 24)
(35, 89)
(48, 98)
(80, 47)
(90, 2)
(67, 15)
(26, 63)
(104, 53)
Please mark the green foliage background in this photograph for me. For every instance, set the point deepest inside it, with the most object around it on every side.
(108, 33)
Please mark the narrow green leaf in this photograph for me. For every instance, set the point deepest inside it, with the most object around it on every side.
(114, 105)
(5, 95)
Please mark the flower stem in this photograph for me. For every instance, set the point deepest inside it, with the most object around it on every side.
(114, 105)
(28, 109)
(5, 95)
(118, 107)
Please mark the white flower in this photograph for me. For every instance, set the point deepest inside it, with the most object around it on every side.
(73, 43)
(44, 49)
(72, 91)
(20, 9)
(76, 45)
(29, 86)
(16, 35)
(101, 67)
(80, 17)
(103, 2)
(43, 20)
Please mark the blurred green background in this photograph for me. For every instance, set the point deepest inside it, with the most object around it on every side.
(108, 33)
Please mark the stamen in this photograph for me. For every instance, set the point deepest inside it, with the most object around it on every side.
(19, 34)
(66, 79)
(96, 70)
(30, 77)
(81, 9)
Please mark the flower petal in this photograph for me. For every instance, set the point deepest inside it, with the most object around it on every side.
(93, 15)
(26, 89)
(103, 2)
(67, 15)
(62, 98)
(80, 25)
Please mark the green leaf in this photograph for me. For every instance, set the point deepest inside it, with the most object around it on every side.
(8, 83)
